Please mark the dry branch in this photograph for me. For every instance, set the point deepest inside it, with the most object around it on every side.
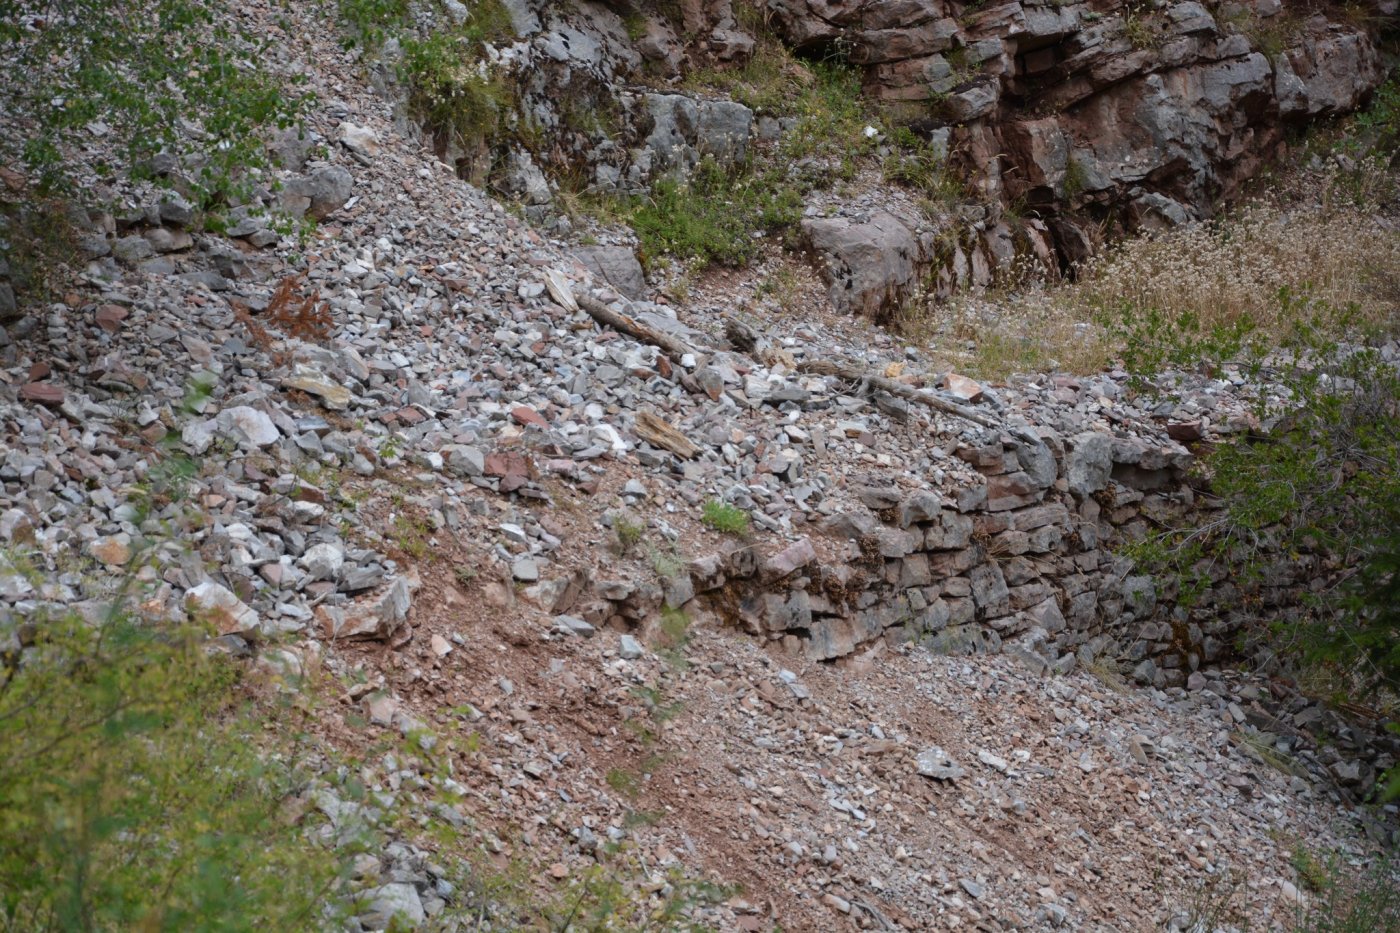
(671, 345)
(659, 432)
(922, 396)
(745, 338)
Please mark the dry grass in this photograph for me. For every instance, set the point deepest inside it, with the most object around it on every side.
(1325, 238)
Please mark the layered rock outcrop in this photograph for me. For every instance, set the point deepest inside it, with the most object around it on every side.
(1152, 111)
(1092, 118)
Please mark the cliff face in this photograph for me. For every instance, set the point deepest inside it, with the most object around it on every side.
(1063, 122)
(1150, 111)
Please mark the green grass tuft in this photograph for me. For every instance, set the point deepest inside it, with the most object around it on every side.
(725, 518)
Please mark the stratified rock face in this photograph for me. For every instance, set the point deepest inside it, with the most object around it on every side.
(1095, 118)
(1157, 109)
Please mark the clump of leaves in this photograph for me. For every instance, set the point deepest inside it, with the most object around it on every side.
(369, 22)
(456, 93)
(139, 791)
(159, 77)
(413, 535)
(725, 518)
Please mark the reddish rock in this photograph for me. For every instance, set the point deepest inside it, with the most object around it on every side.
(507, 465)
(1185, 431)
(962, 387)
(39, 371)
(791, 559)
(526, 416)
(110, 317)
(43, 393)
(411, 415)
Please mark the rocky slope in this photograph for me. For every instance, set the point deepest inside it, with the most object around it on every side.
(420, 482)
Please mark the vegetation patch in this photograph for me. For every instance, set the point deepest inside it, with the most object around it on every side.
(1178, 297)
(141, 790)
(724, 518)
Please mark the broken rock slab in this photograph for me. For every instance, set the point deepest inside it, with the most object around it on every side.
(934, 762)
(379, 618)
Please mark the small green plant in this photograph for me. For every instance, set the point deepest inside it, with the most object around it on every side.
(412, 535)
(1260, 747)
(1106, 670)
(1377, 128)
(636, 26)
(784, 286)
(628, 532)
(1343, 899)
(391, 447)
(369, 22)
(1312, 871)
(1075, 181)
(916, 164)
(623, 782)
(667, 566)
(725, 518)
(1139, 30)
(657, 706)
(672, 636)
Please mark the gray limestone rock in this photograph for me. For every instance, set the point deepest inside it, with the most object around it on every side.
(1089, 463)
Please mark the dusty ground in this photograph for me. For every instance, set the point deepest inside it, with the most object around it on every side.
(1082, 804)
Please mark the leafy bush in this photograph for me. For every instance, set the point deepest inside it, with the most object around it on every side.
(453, 89)
(370, 22)
(139, 793)
(151, 76)
(713, 215)
(1322, 482)
(695, 219)
(914, 163)
(1377, 128)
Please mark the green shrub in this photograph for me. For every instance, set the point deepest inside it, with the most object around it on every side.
(1075, 180)
(914, 163)
(724, 518)
(697, 219)
(1323, 482)
(140, 73)
(453, 91)
(370, 22)
(140, 794)
(628, 532)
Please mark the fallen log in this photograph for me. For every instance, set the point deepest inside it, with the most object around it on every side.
(671, 345)
(922, 396)
(746, 339)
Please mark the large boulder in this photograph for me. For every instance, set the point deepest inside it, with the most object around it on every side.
(870, 262)
(616, 265)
